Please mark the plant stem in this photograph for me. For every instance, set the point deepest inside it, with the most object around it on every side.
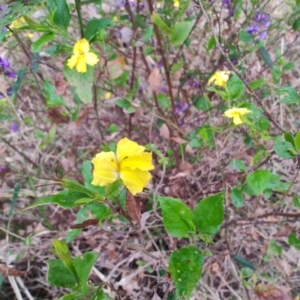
(78, 9)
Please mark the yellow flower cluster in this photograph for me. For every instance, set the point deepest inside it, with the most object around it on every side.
(130, 163)
(220, 78)
(236, 113)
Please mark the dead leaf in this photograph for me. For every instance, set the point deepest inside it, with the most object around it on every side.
(144, 218)
(155, 297)
(270, 292)
(6, 271)
(60, 84)
(115, 68)
(85, 223)
(178, 140)
(57, 116)
(164, 131)
(155, 80)
(133, 207)
(82, 115)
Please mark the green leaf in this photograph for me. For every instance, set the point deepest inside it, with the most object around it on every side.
(256, 84)
(62, 14)
(296, 24)
(164, 101)
(100, 211)
(75, 186)
(266, 56)
(244, 262)
(180, 32)
(157, 20)
(177, 217)
(245, 37)
(284, 149)
(208, 214)
(276, 74)
(235, 87)
(297, 140)
(237, 197)
(274, 249)
(65, 199)
(83, 265)
(288, 66)
(258, 181)
(94, 25)
(294, 241)
(50, 95)
(61, 250)
(185, 267)
(289, 138)
(83, 82)
(65, 278)
(238, 165)
(100, 295)
(38, 44)
(296, 200)
(202, 103)
(291, 96)
(211, 44)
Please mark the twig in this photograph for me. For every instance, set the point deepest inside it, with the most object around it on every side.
(78, 9)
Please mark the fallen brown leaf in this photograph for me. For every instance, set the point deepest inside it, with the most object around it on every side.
(133, 207)
(155, 80)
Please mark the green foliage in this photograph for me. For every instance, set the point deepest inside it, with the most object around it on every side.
(180, 32)
(177, 217)
(52, 99)
(95, 25)
(62, 14)
(185, 267)
(258, 181)
(38, 44)
(209, 214)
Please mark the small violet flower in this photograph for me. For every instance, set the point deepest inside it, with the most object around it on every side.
(9, 92)
(180, 107)
(261, 24)
(229, 6)
(5, 68)
(14, 127)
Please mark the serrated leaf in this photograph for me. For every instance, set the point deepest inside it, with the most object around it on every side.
(258, 181)
(38, 44)
(157, 20)
(185, 267)
(180, 32)
(177, 217)
(94, 25)
(208, 214)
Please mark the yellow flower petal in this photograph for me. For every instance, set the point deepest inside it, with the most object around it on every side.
(81, 47)
(135, 180)
(220, 78)
(107, 95)
(126, 148)
(81, 65)
(105, 168)
(176, 3)
(236, 114)
(141, 161)
(72, 61)
(91, 58)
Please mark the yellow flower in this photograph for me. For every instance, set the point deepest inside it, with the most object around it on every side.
(107, 95)
(131, 164)
(220, 78)
(81, 56)
(176, 3)
(17, 23)
(236, 114)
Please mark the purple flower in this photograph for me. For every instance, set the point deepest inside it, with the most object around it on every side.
(231, 7)
(261, 23)
(4, 64)
(9, 92)
(14, 127)
(252, 29)
(2, 168)
(193, 83)
(180, 107)
(10, 74)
